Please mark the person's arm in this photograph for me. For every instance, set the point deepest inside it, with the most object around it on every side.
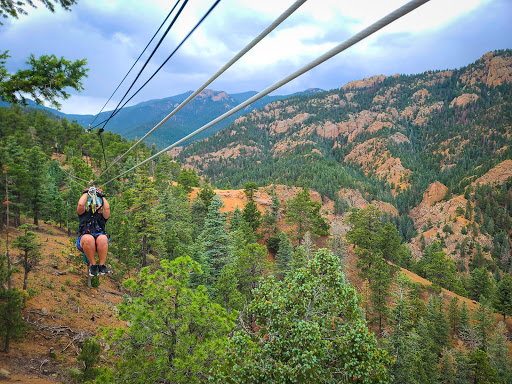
(81, 204)
(106, 209)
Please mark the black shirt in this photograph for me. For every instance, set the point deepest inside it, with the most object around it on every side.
(92, 223)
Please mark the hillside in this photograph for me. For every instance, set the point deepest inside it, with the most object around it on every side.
(390, 138)
(62, 311)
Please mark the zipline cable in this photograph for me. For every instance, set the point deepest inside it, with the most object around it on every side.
(136, 61)
(166, 60)
(147, 61)
(72, 177)
(396, 14)
(247, 48)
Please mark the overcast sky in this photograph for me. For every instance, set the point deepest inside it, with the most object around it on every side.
(442, 34)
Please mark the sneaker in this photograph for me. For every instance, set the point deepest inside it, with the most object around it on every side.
(93, 270)
(103, 269)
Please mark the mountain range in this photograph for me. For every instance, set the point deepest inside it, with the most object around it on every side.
(135, 121)
(422, 143)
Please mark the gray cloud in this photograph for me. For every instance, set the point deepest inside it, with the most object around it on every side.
(112, 38)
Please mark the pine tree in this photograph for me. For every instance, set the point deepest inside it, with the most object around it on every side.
(146, 220)
(284, 255)
(30, 246)
(440, 329)
(252, 215)
(250, 189)
(215, 240)
(305, 214)
(454, 314)
(483, 372)
(309, 331)
(226, 291)
(12, 326)
(38, 194)
(399, 341)
(271, 217)
(174, 332)
(498, 351)
(89, 356)
(380, 282)
(480, 284)
(188, 179)
(448, 367)
(236, 219)
(503, 296)
(250, 265)
(483, 324)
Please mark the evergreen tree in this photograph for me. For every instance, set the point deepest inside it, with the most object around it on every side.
(309, 331)
(437, 322)
(38, 194)
(46, 78)
(236, 219)
(454, 314)
(12, 326)
(448, 367)
(215, 240)
(503, 296)
(483, 372)
(399, 341)
(284, 255)
(305, 214)
(498, 350)
(252, 215)
(380, 282)
(30, 246)
(177, 228)
(89, 356)
(146, 220)
(226, 291)
(483, 318)
(271, 217)
(174, 332)
(188, 179)
(206, 194)
(480, 285)
(250, 265)
(250, 189)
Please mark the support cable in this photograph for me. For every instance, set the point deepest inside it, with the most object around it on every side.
(147, 62)
(247, 48)
(72, 178)
(165, 62)
(136, 61)
(396, 14)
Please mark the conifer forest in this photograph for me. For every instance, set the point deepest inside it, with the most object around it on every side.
(356, 235)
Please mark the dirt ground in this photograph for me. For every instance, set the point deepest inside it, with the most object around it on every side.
(61, 310)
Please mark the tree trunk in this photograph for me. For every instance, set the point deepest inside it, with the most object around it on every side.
(144, 260)
(26, 271)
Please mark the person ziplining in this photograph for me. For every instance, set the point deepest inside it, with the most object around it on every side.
(93, 212)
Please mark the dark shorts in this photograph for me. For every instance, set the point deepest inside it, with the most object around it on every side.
(79, 247)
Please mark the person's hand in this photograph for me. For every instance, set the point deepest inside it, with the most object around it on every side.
(86, 191)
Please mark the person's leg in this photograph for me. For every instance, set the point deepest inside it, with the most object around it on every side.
(102, 248)
(89, 246)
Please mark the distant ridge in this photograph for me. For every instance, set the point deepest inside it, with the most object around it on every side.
(135, 121)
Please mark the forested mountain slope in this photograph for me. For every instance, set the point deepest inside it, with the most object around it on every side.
(388, 137)
(406, 131)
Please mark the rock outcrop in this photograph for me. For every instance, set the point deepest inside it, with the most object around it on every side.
(498, 175)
